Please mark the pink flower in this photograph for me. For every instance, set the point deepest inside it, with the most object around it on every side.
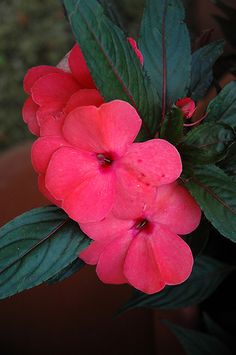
(55, 91)
(95, 166)
(187, 105)
(144, 249)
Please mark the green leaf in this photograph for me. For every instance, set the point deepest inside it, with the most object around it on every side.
(206, 276)
(111, 11)
(202, 68)
(215, 192)
(36, 246)
(197, 343)
(67, 272)
(165, 45)
(229, 163)
(172, 128)
(222, 108)
(198, 239)
(207, 143)
(115, 67)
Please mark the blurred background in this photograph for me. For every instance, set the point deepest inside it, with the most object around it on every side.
(76, 316)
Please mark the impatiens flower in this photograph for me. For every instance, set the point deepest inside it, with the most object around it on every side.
(145, 249)
(95, 166)
(55, 91)
(51, 91)
(187, 105)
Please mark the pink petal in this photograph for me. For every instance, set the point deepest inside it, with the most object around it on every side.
(132, 195)
(91, 254)
(172, 254)
(84, 97)
(35, 73)
(141, 268)
(176, 208)
(29, 116)
(51, 118)
(69, 167)
(120, 124)
(45, 192)
(53, 109)
(54, 88)
(82, 128)
(51, 125)
(154, 162)
(133, 44)
(42, 151)
(187, 105)
(111, 261)
(79, 68)
(80, 203)
(74, 177)
(107, 229)
(110, 128)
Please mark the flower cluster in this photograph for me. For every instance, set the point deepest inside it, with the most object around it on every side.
(125, 195)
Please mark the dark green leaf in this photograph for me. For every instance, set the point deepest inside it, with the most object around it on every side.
(172, 128)
(198, 239)
(207, 275)
(202, 64)
(111, 11)
(165, 45)
(215, 192)
(229, 163)
(36, 246)
(198, 343)
(223, 108)
(67, 272)
(115, 67)
(207, 143)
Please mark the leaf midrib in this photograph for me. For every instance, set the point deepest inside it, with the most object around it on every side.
(39, 243)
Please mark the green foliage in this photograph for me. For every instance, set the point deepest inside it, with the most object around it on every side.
(68, 271)
(198, 239)
(206, 276)
(202, 63)
(114, 65)
(207, 143)
(36, 246)
(229, 163)
(222, 109)
(215, 192)
(172, 128)
(197, 343)
(165, 45)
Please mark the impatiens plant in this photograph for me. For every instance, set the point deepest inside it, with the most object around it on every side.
(139, 180)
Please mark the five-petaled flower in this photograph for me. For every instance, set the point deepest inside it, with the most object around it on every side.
(95, 167)
(144, 249)
(187, 105)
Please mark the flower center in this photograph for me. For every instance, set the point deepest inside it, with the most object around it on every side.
(104, 160)
(141, 224)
